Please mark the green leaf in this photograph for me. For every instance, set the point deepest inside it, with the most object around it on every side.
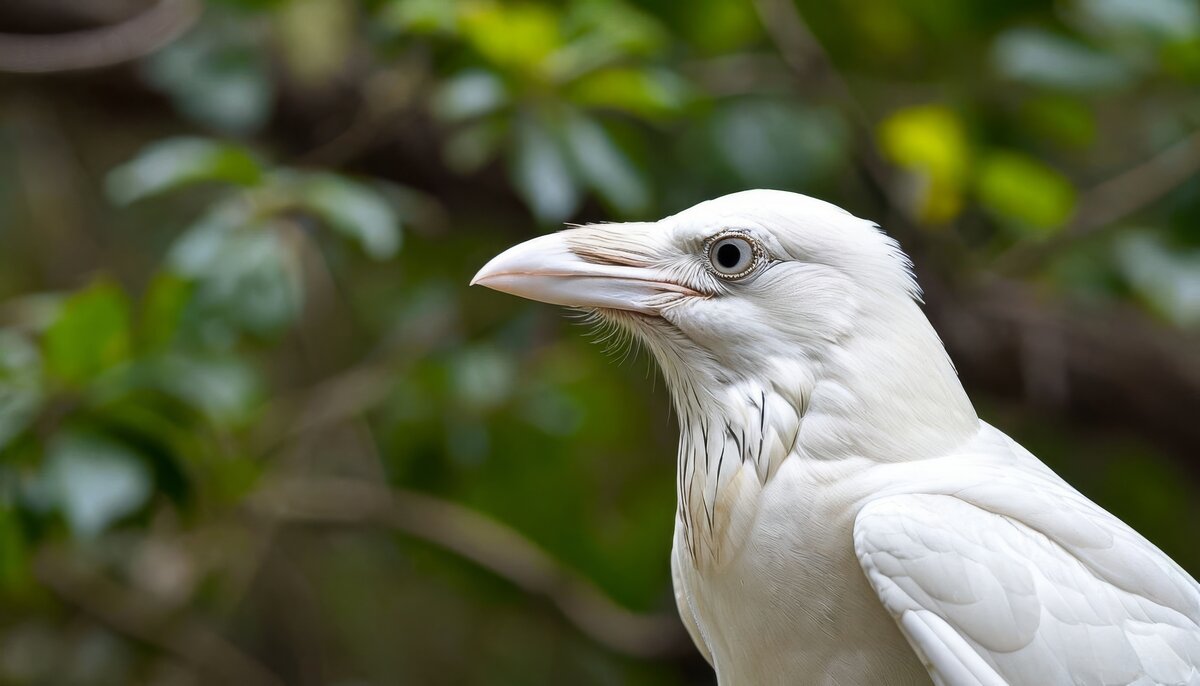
(714, 27)
(246, 277)
(601, 33)
(470, 94)
(91, 334)
(419, 16)
(540, 172)
(776, 143)
(95, 480)
(1160, 19)
(21, 390)
(1181, 59)
(1041, 58)
(648, 93)
(613, 28)
(163, 308)
(514, 36)
(605, 167)
(355, 210)
(217, 74)
(177, 162)
(1021, 189)
(225, 389)
(1065, 120)
(198, 252)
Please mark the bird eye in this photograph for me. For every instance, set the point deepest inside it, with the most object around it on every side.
(732, 257)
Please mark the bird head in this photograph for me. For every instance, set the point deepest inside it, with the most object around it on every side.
(730, 284)
(761, 294)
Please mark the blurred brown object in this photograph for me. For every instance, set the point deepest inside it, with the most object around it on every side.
(61, 35)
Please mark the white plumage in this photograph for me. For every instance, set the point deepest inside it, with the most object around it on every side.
(843, 515)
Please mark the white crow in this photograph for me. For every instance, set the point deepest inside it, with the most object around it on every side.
(844, 517)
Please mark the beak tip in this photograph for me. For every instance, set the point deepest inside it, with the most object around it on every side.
(547, 269)
(481, 276)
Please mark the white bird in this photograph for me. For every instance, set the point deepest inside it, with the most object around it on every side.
(844, 517)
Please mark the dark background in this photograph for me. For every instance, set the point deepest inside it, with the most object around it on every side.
(256, 429)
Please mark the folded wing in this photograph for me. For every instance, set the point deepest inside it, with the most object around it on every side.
(1025, 581)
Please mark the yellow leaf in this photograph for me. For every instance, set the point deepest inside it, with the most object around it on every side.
(930, 141)
(515, 36)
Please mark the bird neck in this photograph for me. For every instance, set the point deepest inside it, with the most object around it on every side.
(886, 392)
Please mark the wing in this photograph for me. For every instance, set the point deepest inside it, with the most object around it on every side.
(1029, 583)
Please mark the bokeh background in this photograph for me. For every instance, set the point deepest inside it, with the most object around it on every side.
(256, 429)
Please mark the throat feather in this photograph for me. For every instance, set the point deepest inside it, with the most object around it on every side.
(730, 446)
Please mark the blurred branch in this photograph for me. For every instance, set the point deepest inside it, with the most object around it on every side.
(135, 37)
(1117, 371)
(739, 74)
(1111, 201)
(810, 62)
(387, 99)
(135, 615)
(349, 393)
(807, 58)
(476, 537)
(796, 43)
(62, 234)
(482, 540)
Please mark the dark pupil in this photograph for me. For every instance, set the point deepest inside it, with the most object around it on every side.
(729, 255)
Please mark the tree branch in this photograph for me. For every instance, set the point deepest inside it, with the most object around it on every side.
(1111, 201)
(135, 37)
(136, 616)
(1118, 371)
(811, 64)
(486, 542)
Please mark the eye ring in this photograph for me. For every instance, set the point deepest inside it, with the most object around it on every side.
(732, 255)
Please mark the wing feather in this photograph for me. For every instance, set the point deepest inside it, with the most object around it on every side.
(994, 585)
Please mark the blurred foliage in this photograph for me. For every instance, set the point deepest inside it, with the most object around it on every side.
(244, 259)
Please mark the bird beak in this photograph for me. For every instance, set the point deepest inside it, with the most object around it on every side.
(550, 269)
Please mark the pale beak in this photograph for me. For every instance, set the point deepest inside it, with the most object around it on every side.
(548, 270)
